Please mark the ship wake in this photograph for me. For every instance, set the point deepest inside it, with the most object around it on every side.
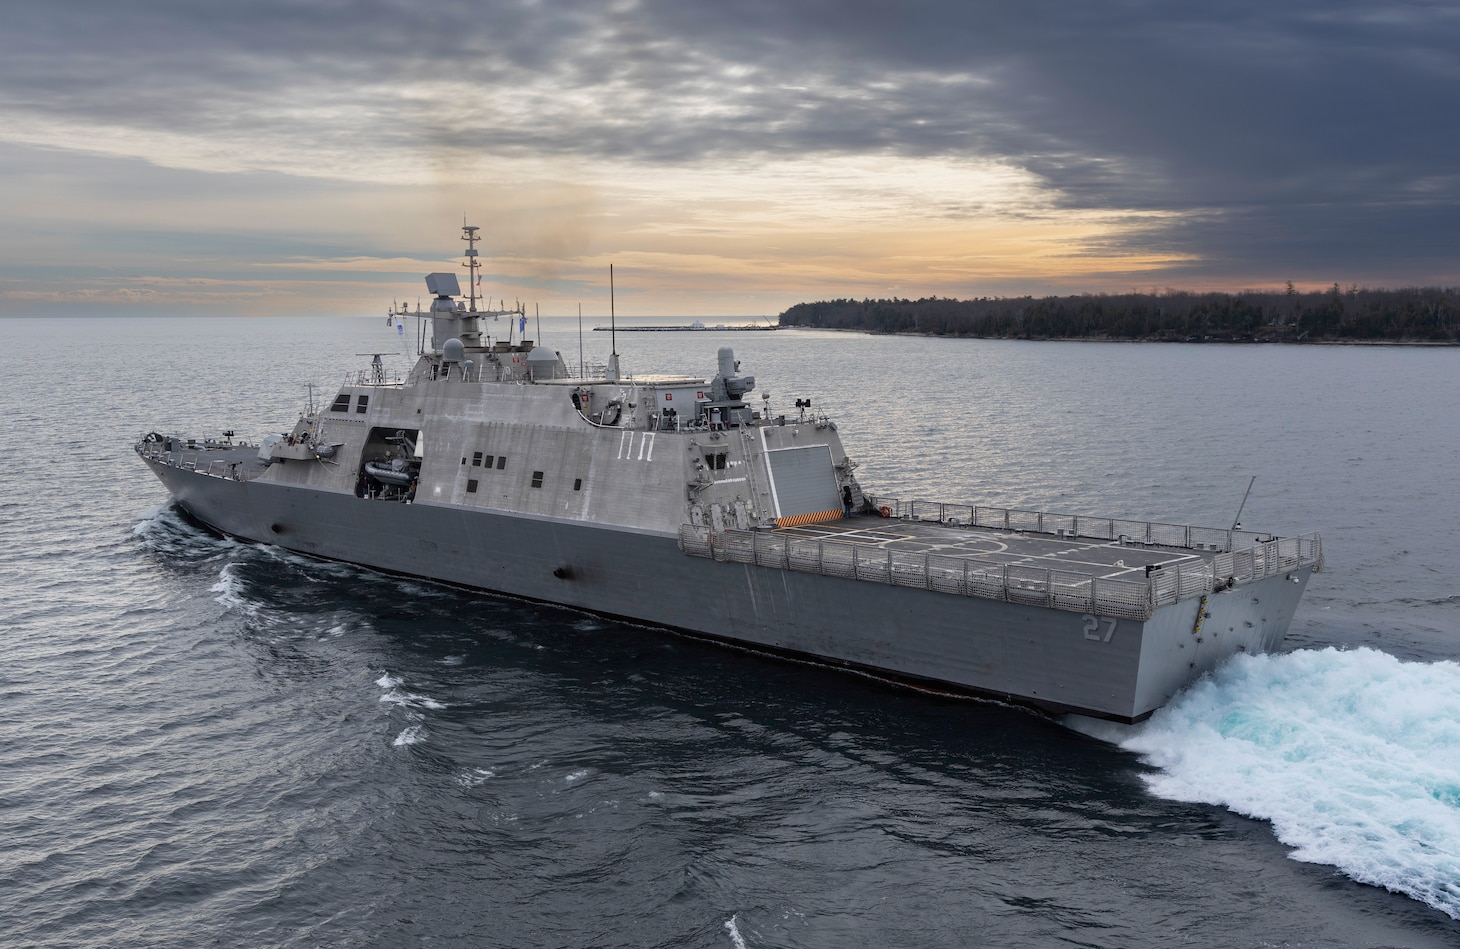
(1353, 756)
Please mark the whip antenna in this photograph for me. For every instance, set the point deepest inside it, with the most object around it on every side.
(1237, 521)
(612, 331)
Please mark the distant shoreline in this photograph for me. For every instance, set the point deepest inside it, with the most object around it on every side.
(1421, 316)
(1419, 343)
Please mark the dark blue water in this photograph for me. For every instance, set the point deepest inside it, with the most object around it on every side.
(210, 743)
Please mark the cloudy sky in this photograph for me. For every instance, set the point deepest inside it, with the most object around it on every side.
(730, 157)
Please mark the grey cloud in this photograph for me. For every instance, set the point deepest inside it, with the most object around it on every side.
(1338, 115)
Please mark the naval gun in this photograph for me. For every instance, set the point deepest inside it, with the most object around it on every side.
(727, 392)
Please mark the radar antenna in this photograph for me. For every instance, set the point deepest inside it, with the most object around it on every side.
(377, 368)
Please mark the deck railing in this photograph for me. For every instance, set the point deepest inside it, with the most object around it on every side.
(1147, 533)
(196, 459)
(1016, 583)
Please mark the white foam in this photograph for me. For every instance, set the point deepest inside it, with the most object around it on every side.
(1354, 756)
(148, 523)
(230, 589)
(576, 776)
(227, 582)
(474, 777)
(735, 938)
(411, 700)
(412, 735)
(387, 681)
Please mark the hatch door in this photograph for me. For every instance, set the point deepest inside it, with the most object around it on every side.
(803, 485)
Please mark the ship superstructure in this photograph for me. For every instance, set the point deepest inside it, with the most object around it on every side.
(675, 501)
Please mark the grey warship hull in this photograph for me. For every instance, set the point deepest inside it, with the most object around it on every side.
(1114, 667)
(670, 501)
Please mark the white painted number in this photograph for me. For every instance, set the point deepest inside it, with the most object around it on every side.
(1092, 629)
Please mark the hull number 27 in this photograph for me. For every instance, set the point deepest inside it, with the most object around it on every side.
(1092, 628)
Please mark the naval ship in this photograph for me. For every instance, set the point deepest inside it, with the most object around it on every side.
(673, 501)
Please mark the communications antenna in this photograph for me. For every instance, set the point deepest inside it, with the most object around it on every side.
(612, 330)
(1237, 521)
(469, 234)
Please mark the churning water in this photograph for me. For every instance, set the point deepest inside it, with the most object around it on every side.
(213, 743)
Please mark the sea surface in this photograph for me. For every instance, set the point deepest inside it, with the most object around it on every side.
(208, 743)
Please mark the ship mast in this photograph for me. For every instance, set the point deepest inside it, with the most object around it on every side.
(612, 331)
(469, 234)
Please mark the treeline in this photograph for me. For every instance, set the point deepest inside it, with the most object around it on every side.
(1422, 314)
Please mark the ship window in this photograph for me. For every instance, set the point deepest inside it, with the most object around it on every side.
(501, 462)
(342, 403)
(537, 479)
(577, 484)
(361, 405)
(488, 462)
(463, 460)
(471, 486)
(476, 459)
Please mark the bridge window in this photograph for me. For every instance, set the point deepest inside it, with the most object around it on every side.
(362, 405)
(501, 462)
(577, 484)
(471, 486)
(537, 479)
(342, 403)
(476, 459)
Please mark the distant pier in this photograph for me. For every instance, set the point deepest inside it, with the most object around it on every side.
(693, 328)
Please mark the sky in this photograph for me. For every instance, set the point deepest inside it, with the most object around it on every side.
(728, 158)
